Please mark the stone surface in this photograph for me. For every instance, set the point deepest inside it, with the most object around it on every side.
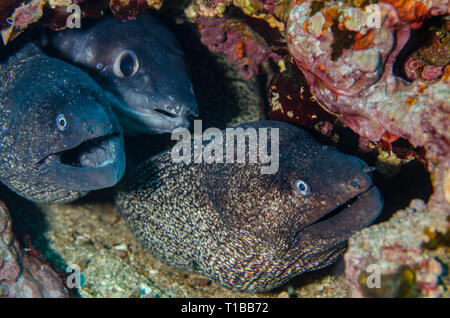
(24, 274)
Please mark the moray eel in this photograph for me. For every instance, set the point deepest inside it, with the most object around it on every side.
(59, 138)
(246, 230)
(141, 64)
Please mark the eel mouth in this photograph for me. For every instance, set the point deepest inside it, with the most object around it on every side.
(93, 153)
(145, 116)
(155, 120)
(336, 211)
(94, 164)
(355, 214)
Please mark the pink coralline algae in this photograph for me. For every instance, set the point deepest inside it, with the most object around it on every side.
(243, 47)
(23, 15)
(16, 16)
(22, 274)
(394, 259)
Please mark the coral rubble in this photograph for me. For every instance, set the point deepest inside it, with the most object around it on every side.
(16, 16)
(408, 264)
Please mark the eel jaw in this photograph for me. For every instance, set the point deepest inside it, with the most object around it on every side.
(339, 224)
(155, 119)
(94, 164)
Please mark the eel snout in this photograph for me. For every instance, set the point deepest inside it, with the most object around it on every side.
(339, 224)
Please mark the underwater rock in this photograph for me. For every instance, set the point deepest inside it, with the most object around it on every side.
(339, 75)
(274, 12)
(141, 63)
(59, 138)
(409, 254)
(349, 59)
(22, 16)
(246, 230)
(16, 16)
(237, 41)
(21, 274)
(129, 10)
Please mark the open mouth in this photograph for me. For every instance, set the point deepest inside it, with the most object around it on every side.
(95, 164)
(97, 152)
(356, 213)
(93, 153)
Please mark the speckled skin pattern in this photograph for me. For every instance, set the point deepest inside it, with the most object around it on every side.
(35, 90)
(245, 230)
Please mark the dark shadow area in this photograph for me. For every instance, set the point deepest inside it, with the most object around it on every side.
(141, 147)
(216, 97)
(411, 182)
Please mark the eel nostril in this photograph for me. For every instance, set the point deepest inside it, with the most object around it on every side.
(355, 184)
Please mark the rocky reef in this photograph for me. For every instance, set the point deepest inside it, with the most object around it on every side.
(22, 272)
(362, 65)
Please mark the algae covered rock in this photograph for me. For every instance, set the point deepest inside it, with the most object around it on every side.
(22, 274)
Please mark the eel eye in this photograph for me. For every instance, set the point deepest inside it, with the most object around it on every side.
(61, 122)
(301, 187)
(126, 64)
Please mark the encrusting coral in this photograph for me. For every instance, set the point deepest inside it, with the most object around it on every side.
(21, 273)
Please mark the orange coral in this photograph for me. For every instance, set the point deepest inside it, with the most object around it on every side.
(446, 75)
(387, 139)
(421, 88)
(411, 11)
(363, 41)
(411, 101)
(330, 14)
(240, 50)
